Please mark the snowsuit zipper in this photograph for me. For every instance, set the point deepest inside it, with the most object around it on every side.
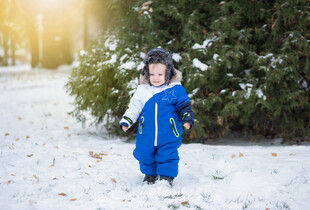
(140, 126)
(156, 125)
(174, 127)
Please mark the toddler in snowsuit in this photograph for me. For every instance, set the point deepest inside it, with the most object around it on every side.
(161, 106)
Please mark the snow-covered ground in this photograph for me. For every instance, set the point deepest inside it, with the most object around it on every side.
(48, 161)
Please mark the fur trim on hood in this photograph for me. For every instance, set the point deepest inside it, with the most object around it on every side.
(176, 78)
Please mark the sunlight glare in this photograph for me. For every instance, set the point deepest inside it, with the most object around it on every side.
(50, 2)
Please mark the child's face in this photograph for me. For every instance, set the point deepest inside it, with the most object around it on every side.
(157, 74)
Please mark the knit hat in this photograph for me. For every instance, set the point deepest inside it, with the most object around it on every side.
(158, 55)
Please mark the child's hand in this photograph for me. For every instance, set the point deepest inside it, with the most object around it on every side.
(124, 128)
(187, 125)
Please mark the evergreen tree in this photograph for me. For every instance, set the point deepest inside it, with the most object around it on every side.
(245, 64)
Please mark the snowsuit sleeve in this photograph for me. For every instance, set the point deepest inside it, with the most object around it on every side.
(134, 109)
(184, 108)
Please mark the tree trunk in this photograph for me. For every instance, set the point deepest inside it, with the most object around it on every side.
(85, 24)
(13, 51)
(66, 44)
(5, 48)
(51, 53)
(33, 42)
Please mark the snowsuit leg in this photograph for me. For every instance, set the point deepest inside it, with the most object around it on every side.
(167, 158)
(145, 154)
(148, 169)
(162, 160)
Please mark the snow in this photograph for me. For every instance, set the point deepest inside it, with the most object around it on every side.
(197, 63)
(206, 43)
(248, 88)
(45, 161)
(216, 57)
(265, 56)
(176, 57)
(123, 57)
(260, 94)
(140, 66)
(128, 65)
(270, 58)
(111, 43)
(75, 64)
(142, 55)
(275, 61)
(112, 60)
(132, 85)
(193, 92)
(147, 14)
(83, 52)
(234, 93)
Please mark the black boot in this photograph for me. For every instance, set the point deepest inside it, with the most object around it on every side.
(150, 179)
(168, 178)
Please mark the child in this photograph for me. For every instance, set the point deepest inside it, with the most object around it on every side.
(161, 106)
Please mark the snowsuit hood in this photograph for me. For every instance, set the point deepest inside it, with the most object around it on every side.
(159, 55)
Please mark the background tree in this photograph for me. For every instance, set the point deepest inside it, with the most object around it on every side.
(14, 22)
(9, 28)
(29, 14)
(245, 64)
(261, 55)
(50, 30)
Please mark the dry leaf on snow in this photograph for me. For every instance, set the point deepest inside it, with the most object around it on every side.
(94, 155)
(184, 202)
(32, 202)
(35, 176)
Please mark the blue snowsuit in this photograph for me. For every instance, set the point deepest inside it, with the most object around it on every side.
(161, 112)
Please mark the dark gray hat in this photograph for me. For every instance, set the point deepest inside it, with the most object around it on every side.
(158, 55)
